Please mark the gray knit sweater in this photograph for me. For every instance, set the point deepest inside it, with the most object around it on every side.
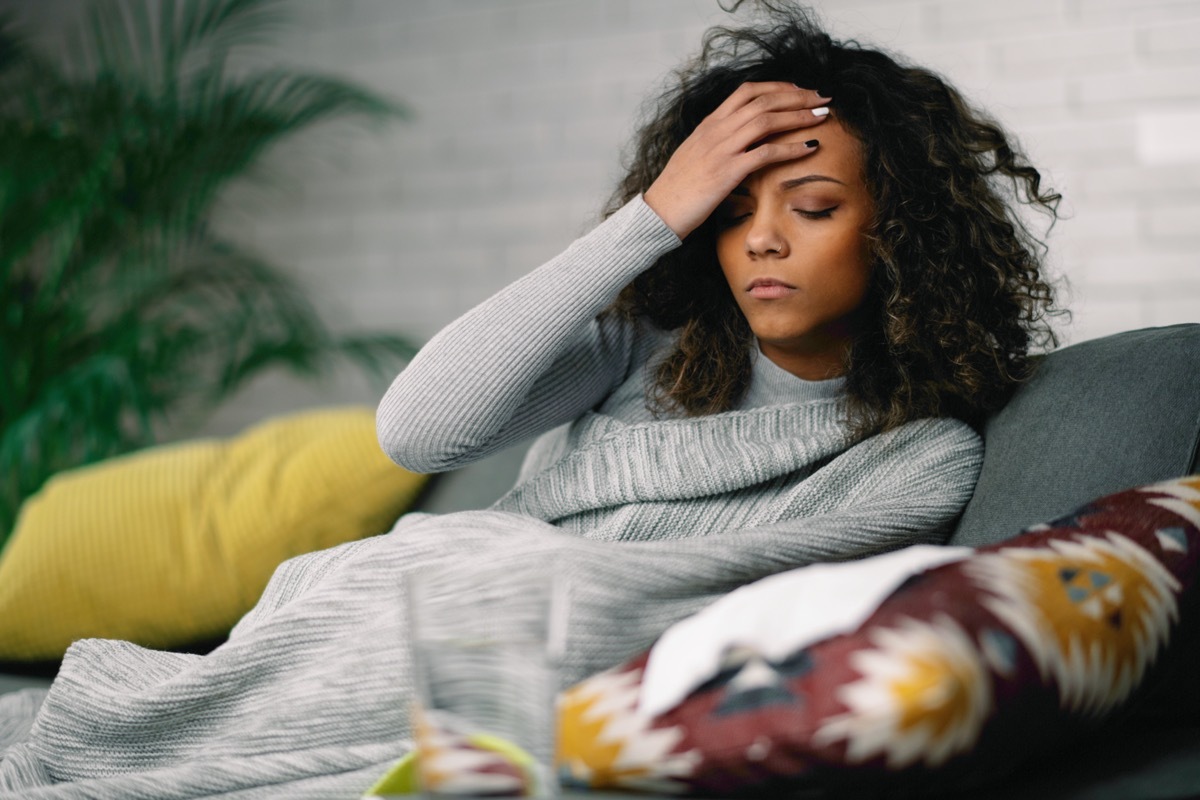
(649, 519)
(539, 354)
(535, 356)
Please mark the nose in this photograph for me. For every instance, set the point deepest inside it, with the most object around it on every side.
(765, 237)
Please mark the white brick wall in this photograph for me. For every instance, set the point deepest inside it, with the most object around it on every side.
(521, 108)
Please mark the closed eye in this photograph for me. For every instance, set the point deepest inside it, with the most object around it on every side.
(823, 213)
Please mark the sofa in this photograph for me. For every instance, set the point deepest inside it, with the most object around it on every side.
(1098, 417)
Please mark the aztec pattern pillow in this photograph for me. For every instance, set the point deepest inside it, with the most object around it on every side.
(961, 675)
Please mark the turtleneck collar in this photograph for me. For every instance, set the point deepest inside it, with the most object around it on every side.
(771, 384)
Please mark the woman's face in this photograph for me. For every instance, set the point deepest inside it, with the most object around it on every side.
(790, 242)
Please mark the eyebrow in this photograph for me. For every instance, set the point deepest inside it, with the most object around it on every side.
(792, 183)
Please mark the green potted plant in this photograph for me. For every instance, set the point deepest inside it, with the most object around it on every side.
(120, 305)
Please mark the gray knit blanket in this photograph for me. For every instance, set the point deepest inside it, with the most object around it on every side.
(310, 695)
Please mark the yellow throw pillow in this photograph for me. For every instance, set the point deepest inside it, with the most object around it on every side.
(172, 545)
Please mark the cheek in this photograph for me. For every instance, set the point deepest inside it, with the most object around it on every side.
(856, 277)
(855, 254)
(846, 272)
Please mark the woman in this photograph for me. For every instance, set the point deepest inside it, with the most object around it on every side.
(764, 354)
(768, 245)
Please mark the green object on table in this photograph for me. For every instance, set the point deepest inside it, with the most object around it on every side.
(403, 778)
(400, 780)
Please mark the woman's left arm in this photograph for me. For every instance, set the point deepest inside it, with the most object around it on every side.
(532, 356)
(906, 486)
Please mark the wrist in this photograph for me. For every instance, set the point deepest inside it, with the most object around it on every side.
(662, 206)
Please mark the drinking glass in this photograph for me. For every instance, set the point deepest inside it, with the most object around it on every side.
(485, 654)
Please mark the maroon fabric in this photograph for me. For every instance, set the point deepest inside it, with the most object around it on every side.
(961, 675)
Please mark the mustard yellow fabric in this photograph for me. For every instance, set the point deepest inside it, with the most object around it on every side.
(171, 545)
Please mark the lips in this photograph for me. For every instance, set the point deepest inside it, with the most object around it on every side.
(769, 289)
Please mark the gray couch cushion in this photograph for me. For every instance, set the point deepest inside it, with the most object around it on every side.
(476, 485)
(1097, 417)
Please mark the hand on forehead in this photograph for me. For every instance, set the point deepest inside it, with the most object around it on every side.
(839, 155)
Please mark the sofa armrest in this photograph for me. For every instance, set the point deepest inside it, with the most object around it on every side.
(474, 486)
(1097, 417)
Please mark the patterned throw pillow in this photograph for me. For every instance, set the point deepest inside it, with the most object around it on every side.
(962, 674)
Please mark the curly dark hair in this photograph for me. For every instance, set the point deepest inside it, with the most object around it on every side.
(957, 296)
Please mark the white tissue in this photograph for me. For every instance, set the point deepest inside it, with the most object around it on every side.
(777, 616)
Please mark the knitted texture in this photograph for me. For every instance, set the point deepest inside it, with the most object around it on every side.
(650, 520)
(531, 357)
(539, 354)
(171, 545)
(311, 691)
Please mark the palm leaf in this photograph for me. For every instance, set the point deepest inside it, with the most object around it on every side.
(13, 47)
(80, 416)
(119, 307)
(152, 41)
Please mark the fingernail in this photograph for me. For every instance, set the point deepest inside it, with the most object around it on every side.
(820, 112)
(811, 143)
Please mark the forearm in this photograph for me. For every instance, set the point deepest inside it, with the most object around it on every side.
(889, 491)
(530, 357)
